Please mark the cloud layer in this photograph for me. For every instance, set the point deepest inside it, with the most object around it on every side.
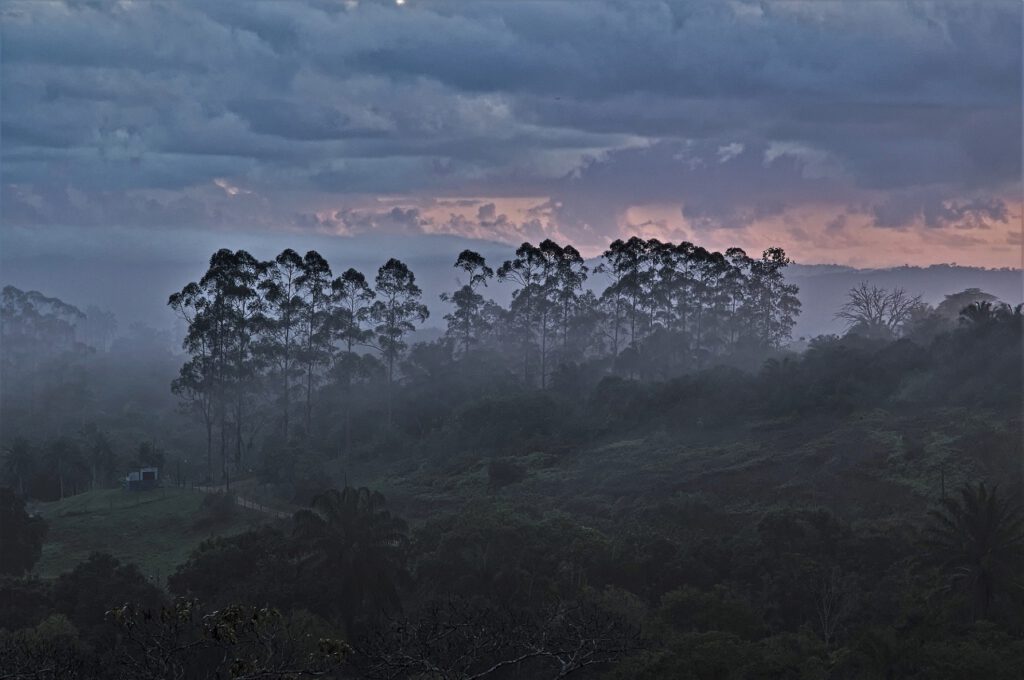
(823, 126)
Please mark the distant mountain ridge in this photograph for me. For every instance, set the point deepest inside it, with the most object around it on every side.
(823, 288)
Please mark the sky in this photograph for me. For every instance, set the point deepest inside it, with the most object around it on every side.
(869, 133)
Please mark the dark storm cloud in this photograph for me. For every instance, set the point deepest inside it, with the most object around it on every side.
(934, 211)
(734, 111)
(730, 185)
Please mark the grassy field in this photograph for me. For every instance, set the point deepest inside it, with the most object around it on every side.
(155, 529)
(741, 470)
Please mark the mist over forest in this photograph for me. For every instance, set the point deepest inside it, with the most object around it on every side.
(504, 340)
(630, 468)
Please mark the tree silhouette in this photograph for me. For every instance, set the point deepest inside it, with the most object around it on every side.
(393, 314)
(317, 323)
(238, 276)
(280, 343)
(65, 459)
(631, 266)
(526, 270)
(776, 302)
(19, 463)
(877, 312)
(226, 313)
(355, 549)
(22, 535)
(570, 275)
(351, 296)
(978, 539)
(980, 314)
(467, 322)
(201, 380)
(351, 309)
(952, 305)
(100, 454)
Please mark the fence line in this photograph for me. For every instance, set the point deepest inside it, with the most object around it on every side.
(244, 502)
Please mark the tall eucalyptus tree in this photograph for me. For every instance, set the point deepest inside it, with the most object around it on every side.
(394, 314)
(280, 343)
(316, 288)
(467, 322)
(526, 270)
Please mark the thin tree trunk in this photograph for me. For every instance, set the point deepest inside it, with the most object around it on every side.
(309, 397)
(309, 366)
(615, 340)
(543, 350)
(223, 447)
(238, 433)
(348, 421)
(565, 328)
(209, 447)
(287, 382)
(391, 373)
(348, 399)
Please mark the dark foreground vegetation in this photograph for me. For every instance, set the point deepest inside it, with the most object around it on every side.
(630, 472)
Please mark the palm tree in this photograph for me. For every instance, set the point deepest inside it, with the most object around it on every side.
(979, 538)
(355, 548)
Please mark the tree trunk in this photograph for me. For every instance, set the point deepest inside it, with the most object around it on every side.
(543, 350)
(309, 398)
(391, 373)
(238, 434)
(348, 421)
(348, 398)
(223, 448)
(618, 323)
(287, 385)
(632, 322)
(209, 448)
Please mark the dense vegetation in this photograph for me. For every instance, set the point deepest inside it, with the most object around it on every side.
(641, 481)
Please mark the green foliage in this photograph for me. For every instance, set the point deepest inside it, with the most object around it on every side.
(235, 641)
(651, 452)
(355, 550)
(254, 566)
(688, 609)
(23, 602)
(978, 538)
(50, 650)
(22, 535)
(155, 530)
(98, 584)
(502, 472)
(216, 509)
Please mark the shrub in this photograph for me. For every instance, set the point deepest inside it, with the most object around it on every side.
(502, 472)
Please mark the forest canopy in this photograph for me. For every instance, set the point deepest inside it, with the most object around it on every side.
(629, 470)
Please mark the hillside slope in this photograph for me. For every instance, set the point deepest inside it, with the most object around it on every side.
(155, 530)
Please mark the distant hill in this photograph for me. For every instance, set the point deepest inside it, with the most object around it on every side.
(823, 288)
